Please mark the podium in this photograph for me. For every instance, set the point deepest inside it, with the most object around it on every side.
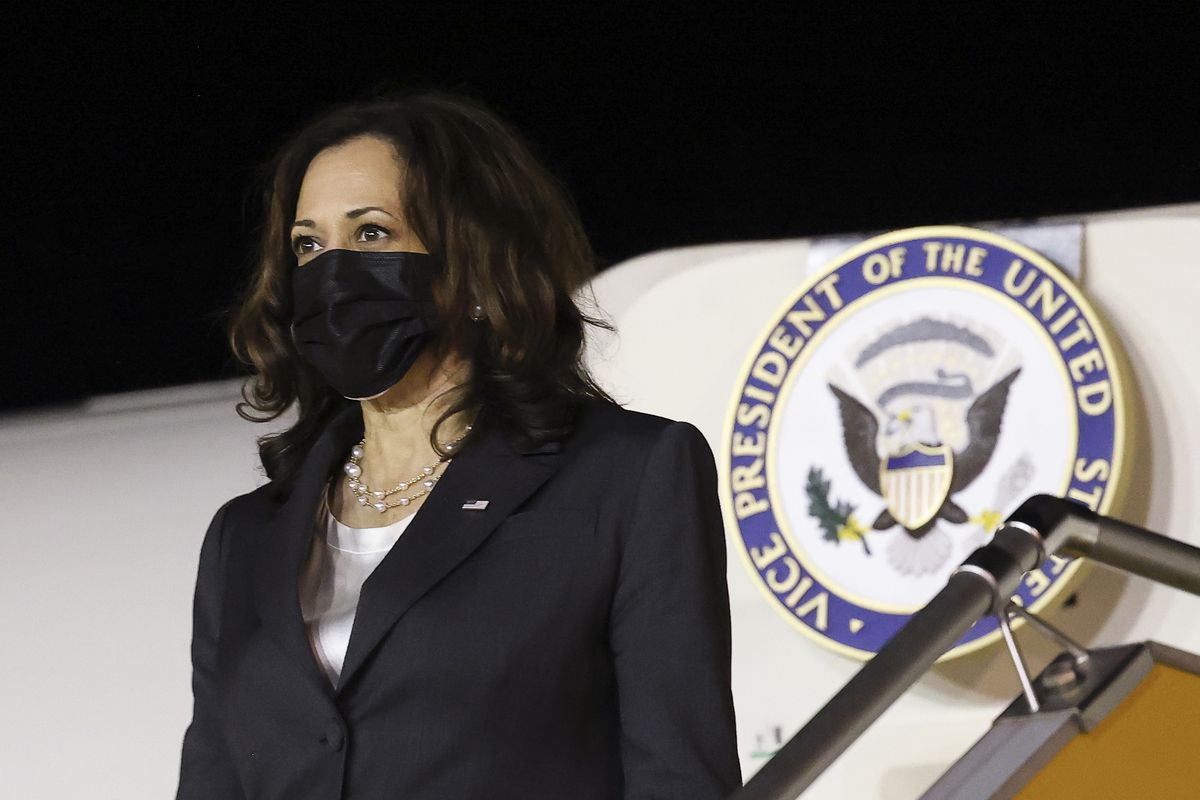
(1129, 727)
(1121, 722)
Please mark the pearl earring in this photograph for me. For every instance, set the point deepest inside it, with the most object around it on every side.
(477, 313)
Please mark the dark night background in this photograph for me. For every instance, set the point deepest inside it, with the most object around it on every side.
(132, 136)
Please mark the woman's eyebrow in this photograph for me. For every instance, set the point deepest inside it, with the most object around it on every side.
(353, 214)
(358, 212)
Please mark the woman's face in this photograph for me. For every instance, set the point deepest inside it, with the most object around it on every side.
(350, 200)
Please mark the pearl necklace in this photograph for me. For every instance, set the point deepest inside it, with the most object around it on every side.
(378, 498)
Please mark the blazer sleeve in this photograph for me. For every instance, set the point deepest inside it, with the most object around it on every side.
(206, 769)
(670, 630)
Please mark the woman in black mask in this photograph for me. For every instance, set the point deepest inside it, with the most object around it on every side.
(471, 575)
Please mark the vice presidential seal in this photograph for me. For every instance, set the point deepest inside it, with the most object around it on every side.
(899, 407)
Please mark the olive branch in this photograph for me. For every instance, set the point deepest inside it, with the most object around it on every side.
(837, 521)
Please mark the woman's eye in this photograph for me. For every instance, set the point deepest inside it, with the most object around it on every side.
(302, 245)
(372, 233)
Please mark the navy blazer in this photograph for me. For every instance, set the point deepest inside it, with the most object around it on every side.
(570, 640)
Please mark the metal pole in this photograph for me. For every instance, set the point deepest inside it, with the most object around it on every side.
(1144, 553)
(990, 573)
(1043, 525)
(1076, 530)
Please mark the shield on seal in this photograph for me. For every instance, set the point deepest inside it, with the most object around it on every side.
(915, 482)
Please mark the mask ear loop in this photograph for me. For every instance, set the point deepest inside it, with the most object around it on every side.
(370, 397)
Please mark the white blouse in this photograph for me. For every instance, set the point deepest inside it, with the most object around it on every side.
(338, 564)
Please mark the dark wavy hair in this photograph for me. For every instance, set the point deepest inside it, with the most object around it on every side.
(505, 235)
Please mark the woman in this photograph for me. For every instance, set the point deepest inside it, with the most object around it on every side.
(471, 575)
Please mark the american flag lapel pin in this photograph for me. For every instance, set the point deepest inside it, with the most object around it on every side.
(475, 505)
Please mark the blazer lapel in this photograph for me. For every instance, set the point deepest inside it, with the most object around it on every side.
(286, 542)
(444, 533)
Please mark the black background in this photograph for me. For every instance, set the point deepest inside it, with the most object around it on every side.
(133, 135)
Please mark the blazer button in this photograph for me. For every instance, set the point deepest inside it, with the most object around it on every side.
(334, 736)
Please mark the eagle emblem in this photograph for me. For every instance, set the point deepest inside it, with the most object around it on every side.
(900, 449)
(900, 404)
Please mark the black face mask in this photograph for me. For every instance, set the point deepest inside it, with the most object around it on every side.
(361, 318)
